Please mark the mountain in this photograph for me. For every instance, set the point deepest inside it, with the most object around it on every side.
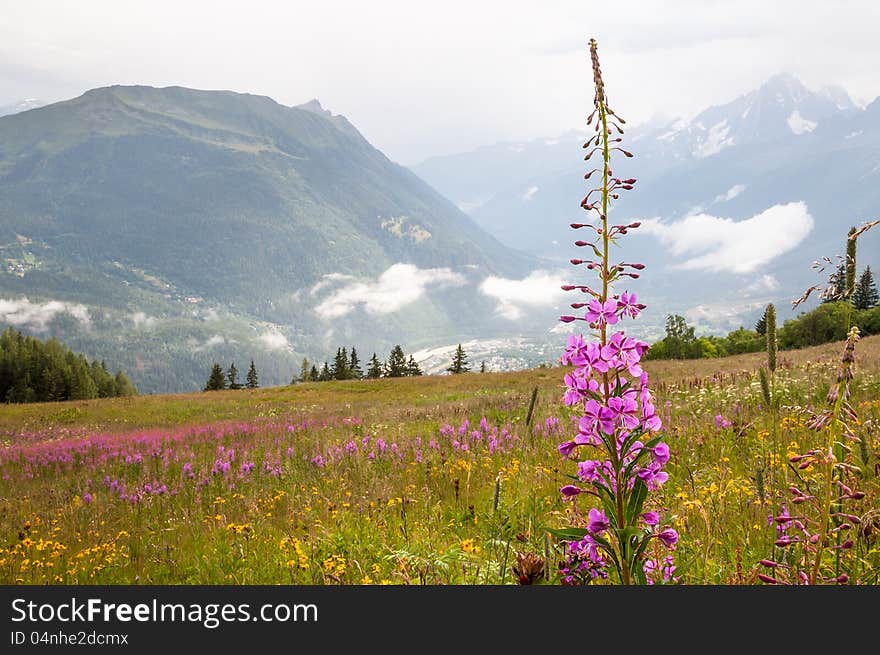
(199, 225)
(20, 106)
(738, 201)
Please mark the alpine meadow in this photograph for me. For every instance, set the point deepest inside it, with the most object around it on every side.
(548, 370)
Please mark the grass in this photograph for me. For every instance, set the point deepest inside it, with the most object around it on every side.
(379, 482)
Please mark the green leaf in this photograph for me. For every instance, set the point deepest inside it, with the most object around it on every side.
(636, 500)
(568, 534)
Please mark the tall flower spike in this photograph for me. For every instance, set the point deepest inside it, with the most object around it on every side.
(618, 425)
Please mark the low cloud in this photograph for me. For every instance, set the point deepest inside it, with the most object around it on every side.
(273, 340)
(211, 342)
(539, 289)
(140, 319)
(328, 281)
(398, 286)
(23, 313)
(725, 245)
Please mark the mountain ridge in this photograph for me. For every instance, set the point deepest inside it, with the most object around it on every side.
(170, 202)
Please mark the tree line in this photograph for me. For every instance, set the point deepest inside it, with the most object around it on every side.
(32, 370)
(344, 366)
(347, 366)
(396, 365)
(218, 380)
(827, 322)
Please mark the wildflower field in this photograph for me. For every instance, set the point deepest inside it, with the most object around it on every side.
(433, 480)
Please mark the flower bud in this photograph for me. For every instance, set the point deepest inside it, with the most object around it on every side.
(767, 579)
(570, 491)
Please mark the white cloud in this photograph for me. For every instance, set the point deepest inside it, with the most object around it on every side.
(723, 244)
(216, 340)
(140, 319)
(37, 316)
(725, 315)
(799, 124)
(539, 289)
(328, 281)
(399, 285)
(763, 284)
(531, 191)
(731, 193)
(274, 340)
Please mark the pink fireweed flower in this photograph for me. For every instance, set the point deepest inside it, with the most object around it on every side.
(588, 471)
(575, 351)
(624, 410)
(598, 522)
(628, 305)
(668, 537)
(661, 453)
(611, 386)
(602, 313)
(578, 387)
(651, 519)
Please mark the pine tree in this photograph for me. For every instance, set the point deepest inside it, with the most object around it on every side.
(252, 380)
(837, 282)
(231, 375)
(761, 325)
(303, 371)
(396, 365)
(412, 367)
(354, 366)
(459, 362)
(374, 372)
(325, 375)
(865, 295)
(313, 374)
(339, 370)
(217, 380)
(483, 366)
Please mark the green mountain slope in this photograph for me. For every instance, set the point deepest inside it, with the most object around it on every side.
(180, 204)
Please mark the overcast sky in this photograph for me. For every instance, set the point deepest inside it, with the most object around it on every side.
(420, 78)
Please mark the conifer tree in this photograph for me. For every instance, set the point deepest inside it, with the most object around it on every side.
(374, 371)
(865, 295)
(354, 366)
(412, 367)
(216, 381)
(252, 380)
(314, 376)
(761, 325)
(483, 366)
(325, 375)
(459, 362)
(339, 371)
(304, 371)
(231, 375)
(396, 365)
(838, 283)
